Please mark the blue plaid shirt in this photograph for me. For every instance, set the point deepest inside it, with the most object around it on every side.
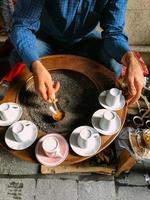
(69, 21)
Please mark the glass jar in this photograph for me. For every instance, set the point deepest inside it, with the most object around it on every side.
(146, 137)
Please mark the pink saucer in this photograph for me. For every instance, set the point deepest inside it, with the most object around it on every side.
(52, 161)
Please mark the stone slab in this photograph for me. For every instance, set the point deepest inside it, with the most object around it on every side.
(55, 189)
(133, 193)
(14, 166)
(96, 190)
(132, 179)
(17, 189)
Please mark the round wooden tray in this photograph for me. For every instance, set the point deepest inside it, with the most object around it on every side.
(97, 73)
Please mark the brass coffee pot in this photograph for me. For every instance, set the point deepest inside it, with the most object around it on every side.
(56, 112)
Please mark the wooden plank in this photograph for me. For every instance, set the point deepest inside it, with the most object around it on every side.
(77, 168)
(126, 162)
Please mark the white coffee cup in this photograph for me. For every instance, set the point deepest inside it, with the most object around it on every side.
(22, 132)
(113, 96)
(6, 111)
(107, 120)
(86, 138)
(51, 147)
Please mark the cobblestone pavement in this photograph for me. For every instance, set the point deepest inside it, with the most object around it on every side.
(20, 180)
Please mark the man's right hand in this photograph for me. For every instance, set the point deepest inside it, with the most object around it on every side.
(43, 81)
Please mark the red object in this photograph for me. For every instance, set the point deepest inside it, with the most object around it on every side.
(14, 2)
(14, 72)
(141, 61)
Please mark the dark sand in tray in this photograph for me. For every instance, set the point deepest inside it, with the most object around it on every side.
(78, 98)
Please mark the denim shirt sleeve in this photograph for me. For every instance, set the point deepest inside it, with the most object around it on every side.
(112, 23)
(26, 22)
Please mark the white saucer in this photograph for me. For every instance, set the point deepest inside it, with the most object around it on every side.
(115, 107)
(96, 119)
(89, 151)
(13, 144)
(52, 161)
(16, 114)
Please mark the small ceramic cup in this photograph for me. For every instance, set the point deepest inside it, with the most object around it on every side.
(107, 120)
(86, 138)
(51, 147)
(6, 112)
(113, 96)
(22, 132)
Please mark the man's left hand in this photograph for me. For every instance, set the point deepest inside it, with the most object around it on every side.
(134, 77)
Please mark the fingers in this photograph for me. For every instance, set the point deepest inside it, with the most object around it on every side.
(52, 89)
(47, 89)
(56, 87)
(41, 89)
(43, 81)
(131, 86)
(135, 86)
(134, 99)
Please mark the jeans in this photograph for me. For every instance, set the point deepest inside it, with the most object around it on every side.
(91, 46)
(6, 12)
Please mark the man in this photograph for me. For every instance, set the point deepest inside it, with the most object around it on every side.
(43, 27)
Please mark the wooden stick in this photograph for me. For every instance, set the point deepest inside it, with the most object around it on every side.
(78, 168)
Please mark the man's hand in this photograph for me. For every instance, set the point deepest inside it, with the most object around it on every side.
(43, 81)
(134, 77)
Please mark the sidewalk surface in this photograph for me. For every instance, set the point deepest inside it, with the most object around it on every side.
(20, 180)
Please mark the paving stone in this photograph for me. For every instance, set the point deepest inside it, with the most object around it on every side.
(5, 161)
(96, 190)
(17, 189)
(133, 193)
(147, 166)
(135, 178)
(55, 189)
(14, 166)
